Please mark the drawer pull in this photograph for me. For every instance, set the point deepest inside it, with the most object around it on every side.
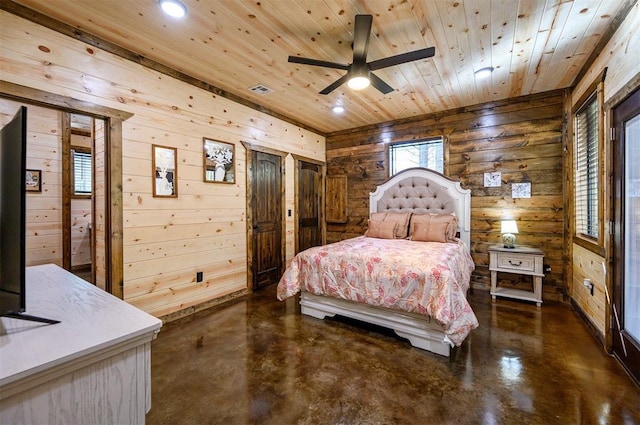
(514, 264)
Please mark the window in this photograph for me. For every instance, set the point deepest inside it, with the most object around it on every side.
(587, 169)
(81, 170)
(424, 153)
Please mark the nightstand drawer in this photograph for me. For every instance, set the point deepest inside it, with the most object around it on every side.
(516, 262)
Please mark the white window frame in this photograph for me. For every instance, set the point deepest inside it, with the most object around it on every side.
(81, 177)
(431, 156)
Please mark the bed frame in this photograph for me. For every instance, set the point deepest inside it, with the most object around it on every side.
(416, 190)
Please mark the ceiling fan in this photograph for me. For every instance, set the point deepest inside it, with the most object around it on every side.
(359, 73)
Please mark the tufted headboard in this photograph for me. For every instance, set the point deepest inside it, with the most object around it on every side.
(421, 190)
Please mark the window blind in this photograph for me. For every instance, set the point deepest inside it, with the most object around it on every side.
(82, 173)
(424, 153)
(587, 169)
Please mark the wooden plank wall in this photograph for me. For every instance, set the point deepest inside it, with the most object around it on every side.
(166, 241)
(588, 265)
(80, 217)
(44, 210)
(80, 234)
(521, 137)
(623, 69)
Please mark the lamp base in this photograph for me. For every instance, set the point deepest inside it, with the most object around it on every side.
(509, 240)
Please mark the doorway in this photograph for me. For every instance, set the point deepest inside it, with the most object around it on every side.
(112, 119)
(79, 147)
(626, 238)
(265, 218)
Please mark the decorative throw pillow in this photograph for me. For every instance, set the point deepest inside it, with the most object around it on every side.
(418, 218)
(381, 229)
(378, 216)
(433, 231)
(401, 219)
(452, 222)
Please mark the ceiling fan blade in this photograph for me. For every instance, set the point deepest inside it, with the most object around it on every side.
(331, 87)
(402, 58)
(378, 83)
(315, 62)
(361, 34)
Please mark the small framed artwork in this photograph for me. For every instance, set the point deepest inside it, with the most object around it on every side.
(219, 161)
(33, 181)
(493, 179)
(521, 190)
(165, 171)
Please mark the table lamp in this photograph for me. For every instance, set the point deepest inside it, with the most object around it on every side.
(509, 227)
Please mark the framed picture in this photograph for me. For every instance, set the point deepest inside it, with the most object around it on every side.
(521, 190)
(219, 161)
(165, 171)
(492, 179)
(33, 181)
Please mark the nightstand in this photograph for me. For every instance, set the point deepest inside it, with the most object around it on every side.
(519, 260)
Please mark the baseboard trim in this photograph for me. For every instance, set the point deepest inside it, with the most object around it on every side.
(203, 306)
(592, 328)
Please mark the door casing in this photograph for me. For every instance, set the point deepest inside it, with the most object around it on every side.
(251, 255)
(622, 345)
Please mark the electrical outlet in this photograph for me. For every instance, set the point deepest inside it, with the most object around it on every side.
(199, 277)
(589, 285)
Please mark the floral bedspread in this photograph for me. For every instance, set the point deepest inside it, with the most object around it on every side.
(429, 278)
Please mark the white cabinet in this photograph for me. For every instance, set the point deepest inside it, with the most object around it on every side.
(94, 367)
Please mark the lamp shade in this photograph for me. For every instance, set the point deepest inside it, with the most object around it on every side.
(509, 226)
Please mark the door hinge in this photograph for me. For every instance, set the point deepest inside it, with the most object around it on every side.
(612, 133)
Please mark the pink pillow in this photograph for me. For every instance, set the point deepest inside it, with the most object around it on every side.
(433, 231)
(381, 229)
(450, 220)
(401, 219)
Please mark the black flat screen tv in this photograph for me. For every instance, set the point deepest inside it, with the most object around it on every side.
(13, 159)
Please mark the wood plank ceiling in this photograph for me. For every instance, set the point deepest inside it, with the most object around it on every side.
(534, 46)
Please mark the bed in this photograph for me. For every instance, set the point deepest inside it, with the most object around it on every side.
(415, 282)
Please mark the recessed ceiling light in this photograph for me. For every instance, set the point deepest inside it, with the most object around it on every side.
(484, 72)
(173, 8)
(338, 109)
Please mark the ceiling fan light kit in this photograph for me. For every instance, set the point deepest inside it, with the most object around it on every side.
(359, 83)
(359, 75)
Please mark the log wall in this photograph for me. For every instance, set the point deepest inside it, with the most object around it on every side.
(166, 240)
(522, 138)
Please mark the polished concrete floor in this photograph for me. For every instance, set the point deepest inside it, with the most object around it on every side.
(258, 361)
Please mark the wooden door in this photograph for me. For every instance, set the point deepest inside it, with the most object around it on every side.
(309, 205)
(626, 239)
(266, 218)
